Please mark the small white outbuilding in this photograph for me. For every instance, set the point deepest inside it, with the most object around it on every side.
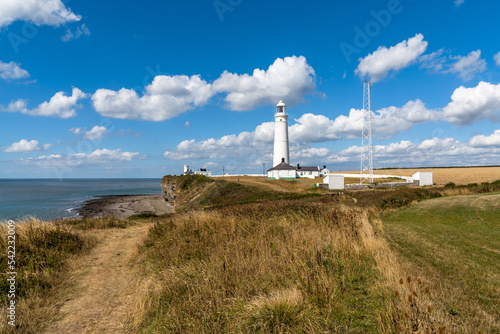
(423, 178)
(334, 181)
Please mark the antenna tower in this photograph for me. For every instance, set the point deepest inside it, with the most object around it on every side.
(366, 137)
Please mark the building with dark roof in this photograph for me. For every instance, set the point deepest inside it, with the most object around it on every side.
(286, 171)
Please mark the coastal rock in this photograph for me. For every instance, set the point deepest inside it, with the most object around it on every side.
(169, 186)
(182, 191)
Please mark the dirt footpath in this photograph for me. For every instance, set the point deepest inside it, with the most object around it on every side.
(103, 293)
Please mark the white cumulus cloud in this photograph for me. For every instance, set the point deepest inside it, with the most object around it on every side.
(290, 78)
(485, 141)
(60, 105)
(473, 104)
(308, 129)
(96, 133)
(12, 70)
(39, 12)
(242, 145)
(25, 146)
(102, 156)
(378, 64)
(164, 98)
(496, 57)
(392, 120)
(430, 152)
(76, 131)
(466, 67)
(387, 122)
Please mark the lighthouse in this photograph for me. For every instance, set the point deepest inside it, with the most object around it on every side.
(280, 135)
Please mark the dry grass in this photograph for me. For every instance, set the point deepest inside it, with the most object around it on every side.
(42, 251)
(295, 266)
(270, 184)
(52, 259)
(442, 176)
(299, 266)
(251, 261)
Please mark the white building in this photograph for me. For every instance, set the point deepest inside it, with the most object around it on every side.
(334, 181)
(282, 171)
(202, 171)
(286, 171)
(307, 171)
(281, 135)
(423, 178)
(324, 171)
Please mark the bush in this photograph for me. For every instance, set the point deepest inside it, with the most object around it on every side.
(143, 216)
(450, 185)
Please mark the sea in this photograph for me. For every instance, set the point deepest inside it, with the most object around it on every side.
(49, 199)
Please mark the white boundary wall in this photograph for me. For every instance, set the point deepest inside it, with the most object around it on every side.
(407, 178)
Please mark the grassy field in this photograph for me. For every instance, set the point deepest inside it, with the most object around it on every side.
(269, 184)
(268, 256)
(454, 242)
(296, 266)
(442, 176)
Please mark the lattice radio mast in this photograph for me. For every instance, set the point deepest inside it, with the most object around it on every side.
(366, 137)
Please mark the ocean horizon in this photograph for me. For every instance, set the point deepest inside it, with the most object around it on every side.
(49, 199)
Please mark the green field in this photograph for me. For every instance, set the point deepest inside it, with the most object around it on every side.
(454, 242)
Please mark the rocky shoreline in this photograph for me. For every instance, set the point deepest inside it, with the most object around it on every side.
(124, 206)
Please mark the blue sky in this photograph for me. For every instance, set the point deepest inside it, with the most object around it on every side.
(138, 89)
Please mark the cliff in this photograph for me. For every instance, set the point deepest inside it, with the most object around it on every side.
(181, 191)
(195, 191)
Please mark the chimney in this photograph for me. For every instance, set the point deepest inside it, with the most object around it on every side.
(324, 167)
(298, 166)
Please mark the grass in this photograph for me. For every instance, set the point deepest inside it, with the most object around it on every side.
(283, 257)
(96, 223)
(387, 199)
(455, 243)
(296, 266)
(222, 192)
(42, 250)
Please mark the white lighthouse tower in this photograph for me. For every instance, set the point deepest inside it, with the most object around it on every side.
(280, 135)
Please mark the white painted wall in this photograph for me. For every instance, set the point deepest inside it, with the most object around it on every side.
(334, 181)
(207, 174)
(281, 174)
(424, 178)
(308, 174)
